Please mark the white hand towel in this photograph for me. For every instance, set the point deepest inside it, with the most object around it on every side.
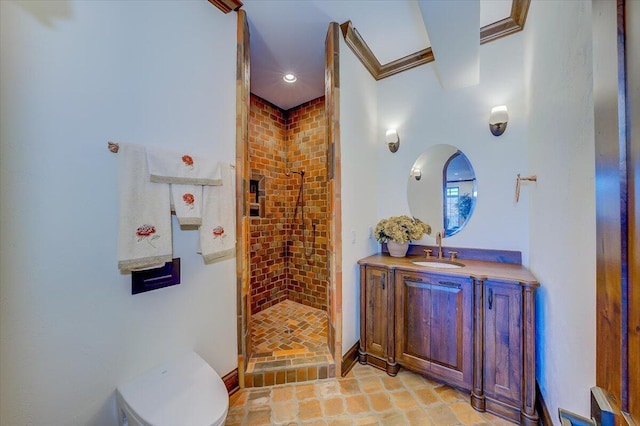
(187, 203)
(174, 167)
(144, 216)
(218, 229)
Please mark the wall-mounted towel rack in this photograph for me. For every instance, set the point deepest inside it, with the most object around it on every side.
(115, 147)
(532, 178)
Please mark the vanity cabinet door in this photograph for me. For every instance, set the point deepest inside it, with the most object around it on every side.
(434, 326)
(503, 354)
(376, 312)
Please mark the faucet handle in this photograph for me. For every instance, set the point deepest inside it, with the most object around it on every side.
(453, 254)
(428, 252)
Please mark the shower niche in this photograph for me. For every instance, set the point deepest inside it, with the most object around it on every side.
(257, 196)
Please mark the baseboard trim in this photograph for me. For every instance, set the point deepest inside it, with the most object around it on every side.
(349, 359)
(541, 406)
(232, 382)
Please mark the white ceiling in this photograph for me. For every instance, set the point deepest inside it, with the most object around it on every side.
(288, 36)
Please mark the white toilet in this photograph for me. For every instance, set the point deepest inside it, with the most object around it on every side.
(183, 392)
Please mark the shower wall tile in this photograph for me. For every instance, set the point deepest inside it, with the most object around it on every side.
(288, 254)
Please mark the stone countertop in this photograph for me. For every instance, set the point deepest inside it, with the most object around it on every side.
(472, 268)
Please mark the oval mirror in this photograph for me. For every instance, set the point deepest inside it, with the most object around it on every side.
(442, 189)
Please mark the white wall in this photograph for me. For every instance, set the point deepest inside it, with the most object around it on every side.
(75, 74)
(558, 72)
(358, 125)
(427, 115)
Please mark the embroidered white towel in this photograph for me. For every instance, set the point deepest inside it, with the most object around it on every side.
(144, 216)
(187, 203)
(173, 167)
(218, 229)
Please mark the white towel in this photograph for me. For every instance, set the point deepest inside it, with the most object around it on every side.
(144, 234)
(185, 168)
(218, 229)
(187, 203)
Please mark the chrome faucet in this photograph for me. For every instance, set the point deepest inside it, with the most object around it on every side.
(439, 236)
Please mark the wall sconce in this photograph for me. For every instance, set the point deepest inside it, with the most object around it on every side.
(416, 173)
(392, 140)
(498, 120)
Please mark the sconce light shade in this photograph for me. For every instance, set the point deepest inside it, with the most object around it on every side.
(392, 140)
(498, 120)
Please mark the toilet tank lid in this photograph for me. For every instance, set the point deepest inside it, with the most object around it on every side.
(185, 391)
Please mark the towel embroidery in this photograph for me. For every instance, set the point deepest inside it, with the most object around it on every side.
(145, 232)
(189, 199)
(218, 231)
(188, 161)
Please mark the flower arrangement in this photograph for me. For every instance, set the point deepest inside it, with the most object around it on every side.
(401, 229)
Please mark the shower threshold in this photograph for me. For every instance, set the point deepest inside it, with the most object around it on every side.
(289, 345)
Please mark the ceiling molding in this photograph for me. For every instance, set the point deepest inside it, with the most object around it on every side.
(491, 32)
(226, 6)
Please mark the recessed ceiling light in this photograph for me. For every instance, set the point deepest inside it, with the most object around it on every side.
(290, 78)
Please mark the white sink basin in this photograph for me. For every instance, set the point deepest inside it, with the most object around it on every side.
(445, 264)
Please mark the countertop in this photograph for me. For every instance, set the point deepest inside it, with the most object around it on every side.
(472, 268)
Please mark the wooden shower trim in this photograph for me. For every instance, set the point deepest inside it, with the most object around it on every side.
(226, 6)
(504, 27)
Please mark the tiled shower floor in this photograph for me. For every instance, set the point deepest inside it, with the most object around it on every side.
(289, 345)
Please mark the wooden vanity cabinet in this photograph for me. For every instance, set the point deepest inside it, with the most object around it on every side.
(470, 330)
(434, 326)
(376, 321)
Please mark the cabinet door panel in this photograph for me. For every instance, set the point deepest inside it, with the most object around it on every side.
(503, 342)
(417, 304)
(376, 312)
(446, 325)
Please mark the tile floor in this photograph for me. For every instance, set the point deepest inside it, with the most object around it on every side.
(289, 345)
(366, 396)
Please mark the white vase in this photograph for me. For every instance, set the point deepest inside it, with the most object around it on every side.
(397, 249)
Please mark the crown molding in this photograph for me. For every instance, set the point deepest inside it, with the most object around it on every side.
(226, 6)
(504, 27)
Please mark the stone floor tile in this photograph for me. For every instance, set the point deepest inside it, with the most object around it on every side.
(333, 407)
(392, 383)
(357, 404)
(380, 401)
(349, 386)
(393, 418)
(419, 417)
(284, 412)
(450, 395)
(259, 416)
(466, 414)
(442, 415)
(309, 410)
(305, 391)
(426, 396)
(342, 421)
(366, 421)
(370, 384)
(403, 400)
(328, 388)
(283, 393)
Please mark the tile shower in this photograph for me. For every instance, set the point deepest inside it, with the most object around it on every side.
(288, 257)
